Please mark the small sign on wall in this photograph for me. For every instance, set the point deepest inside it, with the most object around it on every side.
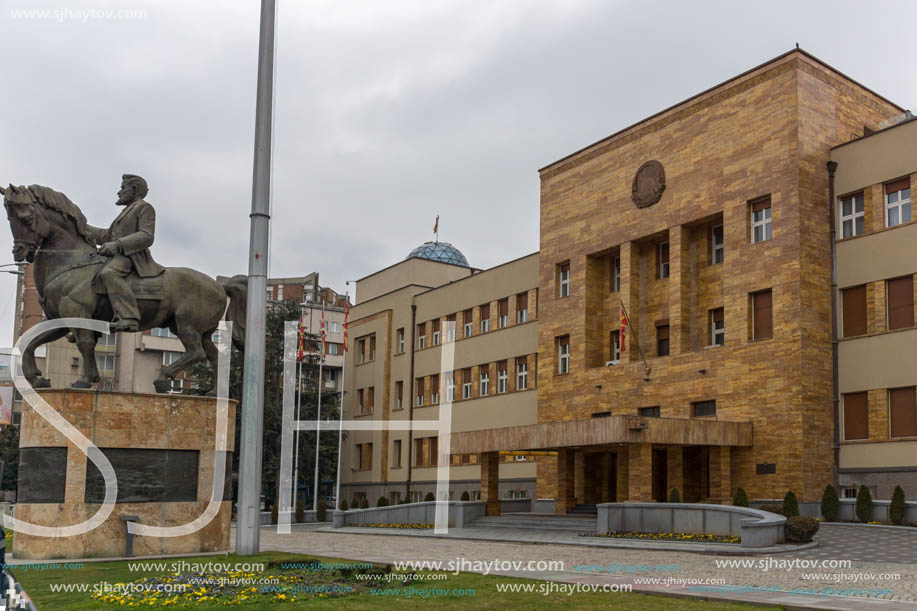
(766, 468)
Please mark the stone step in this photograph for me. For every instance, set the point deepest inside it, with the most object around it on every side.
(550, 523)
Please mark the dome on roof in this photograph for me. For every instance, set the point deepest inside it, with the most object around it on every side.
(444, 252)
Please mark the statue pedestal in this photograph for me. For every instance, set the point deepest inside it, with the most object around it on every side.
(162, 449)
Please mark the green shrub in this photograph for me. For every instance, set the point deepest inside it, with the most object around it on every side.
(343, 506)
(830, 504)
(364, 504)
(773, 508)
(674, 497)
(466, 496)
(898, 507)
(429, 497)
(382, 502)
(355, 503)
(300, 512)
(800, 529)
(740, 498)
(864, 504)
(321, 511)
(790, 505)
(273, 514)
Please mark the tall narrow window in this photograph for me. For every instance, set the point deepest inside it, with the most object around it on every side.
(717, 327)
(399, 340)
(662, 339)
(466, 383)
(419, 385)
(484, 380)
(419, 458)
(434, 389)
(762, 318)
(522, 307)
(501, 377)
(450, 328)
(563, 279)
(614, 347)
(421, 336)
(854, 304)
(437, 325)
(434, 451)
(396, 454)
(563, 354)
(900, 298)
(503, 313)
(903, 412)
(853, 216)
(615, 274)
(468, 320)
(897, 202)
(761, 220)
(485, 318)
(361, 349)
(856, 415)
(450, 387)
(370, 399)
(522, 373)
(717, 247)
(372, 348)
(360, 401)
(662, 260)
(399, 395)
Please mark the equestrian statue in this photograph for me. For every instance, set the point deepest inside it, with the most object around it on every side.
(118, 282)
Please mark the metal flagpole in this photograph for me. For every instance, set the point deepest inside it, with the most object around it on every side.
(298, 404)
(249, 500)
(337, 490)
(646, 368)
(318, 415)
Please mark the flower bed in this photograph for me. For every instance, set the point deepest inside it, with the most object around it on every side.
(688, 537)
(412, 525)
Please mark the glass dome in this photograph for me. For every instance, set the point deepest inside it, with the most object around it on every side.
(444, 252)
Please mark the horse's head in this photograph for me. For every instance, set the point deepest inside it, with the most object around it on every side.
(28, 224)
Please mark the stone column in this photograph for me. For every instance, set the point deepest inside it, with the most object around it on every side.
(630, 296)
(546, 477)
(490, 482)
(566, 470)
(720, 474)
(579, 478)
(604, 492)
(621, 474)
(675, 471)
(640, 472)
(679, 290)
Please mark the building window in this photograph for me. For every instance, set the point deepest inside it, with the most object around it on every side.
(850, 492)
(853, 217)
(450, 387)
(717, 327)
(898, 202)
(330, 376)
(856, 415)
(601, 414)
(332, 348)
(662, 339)
(468, 323)
(370, 399)
(614, 348)
(434, 390)
(169, 357)
(419, 385)
(334, 327)
(522, 373)
(662, 260)
(485, 318)
(361, 349)
(717, 245)
(421, 336)
(365, 456)
(900, 299)
(650, 412)
(105, 363)
(399, 340)
(501, 377)
(466, 383)
(437, 325)
(563, 279)
(762, 321)
(854, 304)
(484, 380)
(372, 348)
(399, 395)
(522, 307)
(450, 328)
(761, 220)
(396, 454)
(162, 332)
(563, 354)
(502, 313)
(615, 274)
(703, 409)
(902, 408)
(107, 341)
(279, 292)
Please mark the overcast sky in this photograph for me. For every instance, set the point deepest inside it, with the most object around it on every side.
(387, 113)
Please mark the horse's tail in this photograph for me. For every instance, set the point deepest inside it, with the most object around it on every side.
(237, 290)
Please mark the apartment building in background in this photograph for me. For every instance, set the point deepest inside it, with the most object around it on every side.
(877, 340)
(404, 316)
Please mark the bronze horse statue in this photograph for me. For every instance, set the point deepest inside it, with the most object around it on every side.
(51, 232)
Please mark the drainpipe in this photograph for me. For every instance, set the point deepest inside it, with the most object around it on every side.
(832, 167)
(411, 390)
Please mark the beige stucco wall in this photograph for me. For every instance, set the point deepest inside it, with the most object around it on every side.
(872, 455)
(888, 360)
(879, 158)
(877, 256)
(411, 271)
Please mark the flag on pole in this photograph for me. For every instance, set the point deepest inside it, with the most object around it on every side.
(623, 327)
(301, 350)
(323, 330)
(346, 312)
(436, 225)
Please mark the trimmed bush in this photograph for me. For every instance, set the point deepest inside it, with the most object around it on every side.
(830, 504)
(800, 529)
(897, 508)
(674, 497)
(364, 504)
(355, 503)
(864, 504)
(273, 514)
(382, 502)
(773, 508)
(300, 512)
(321, 510)
(343, 506)
(790, 505)
(429, 497)
(740, 498)
(466, 496)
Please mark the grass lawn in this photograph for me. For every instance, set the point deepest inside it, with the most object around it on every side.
(37, 585)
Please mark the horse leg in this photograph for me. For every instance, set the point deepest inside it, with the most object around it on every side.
(191, 339)
(86, 340)
(29, 368)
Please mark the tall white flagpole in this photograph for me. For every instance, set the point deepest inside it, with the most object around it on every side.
(337, 490)
(318, 415)
(302, 339)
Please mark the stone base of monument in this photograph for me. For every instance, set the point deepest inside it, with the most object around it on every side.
(162, 448)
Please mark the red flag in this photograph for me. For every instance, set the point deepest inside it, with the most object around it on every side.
(323, 331)
(436, 225)
(623, 328)
(346, 312)
(301, 353)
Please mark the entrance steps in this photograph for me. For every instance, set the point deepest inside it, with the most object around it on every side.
(539, 521)
(585, 509)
